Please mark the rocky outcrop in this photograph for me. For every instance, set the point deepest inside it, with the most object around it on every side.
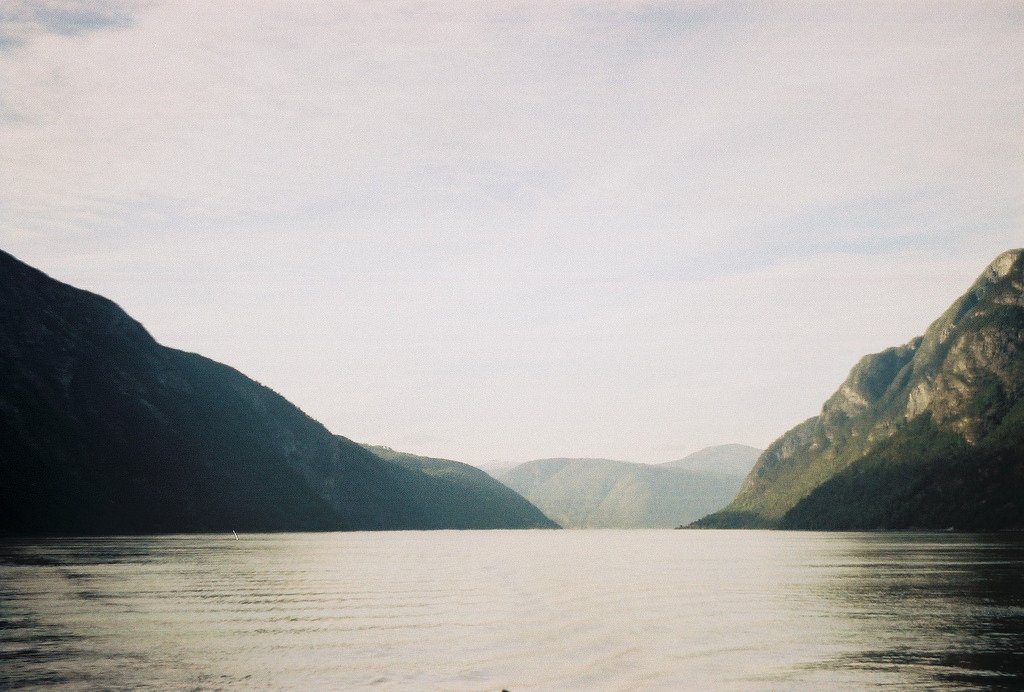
(945, 403)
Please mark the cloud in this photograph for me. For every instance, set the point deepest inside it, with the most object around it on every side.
(510, 224)
(20, 19)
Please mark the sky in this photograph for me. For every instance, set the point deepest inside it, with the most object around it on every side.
(500, 231)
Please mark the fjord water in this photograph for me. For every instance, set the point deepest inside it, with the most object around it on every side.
(515, 609)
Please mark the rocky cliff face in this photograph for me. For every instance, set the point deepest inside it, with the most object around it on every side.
(905, 439)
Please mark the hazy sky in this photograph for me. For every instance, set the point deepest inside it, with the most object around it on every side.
(502, 230)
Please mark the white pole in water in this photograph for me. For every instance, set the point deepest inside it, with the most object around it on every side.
(236, 535)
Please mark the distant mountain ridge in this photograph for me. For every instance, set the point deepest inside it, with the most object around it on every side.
(604, 493)
(105, 431)
(485, 502)
(925, 435)
(729, 459)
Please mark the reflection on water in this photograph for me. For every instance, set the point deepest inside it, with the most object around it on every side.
(943, 608)
(541, 609)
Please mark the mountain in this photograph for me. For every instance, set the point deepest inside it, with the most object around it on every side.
(602, 493)
(496, 468)
(731, 459)
(105, 431)
(483, 501)
(925, 435)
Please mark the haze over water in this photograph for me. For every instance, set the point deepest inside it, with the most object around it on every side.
(514, 609)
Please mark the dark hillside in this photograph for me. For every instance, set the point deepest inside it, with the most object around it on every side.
(103, 430)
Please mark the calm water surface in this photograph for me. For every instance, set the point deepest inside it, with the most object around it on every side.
(515, 609)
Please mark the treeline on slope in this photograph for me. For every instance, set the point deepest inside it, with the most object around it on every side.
(924, 478)
(104, 431)
(926, 435)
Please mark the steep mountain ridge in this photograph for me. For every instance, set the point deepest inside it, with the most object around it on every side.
(925, 419)
(103, 430)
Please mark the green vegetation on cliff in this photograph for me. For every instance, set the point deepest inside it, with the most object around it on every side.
(926, 435)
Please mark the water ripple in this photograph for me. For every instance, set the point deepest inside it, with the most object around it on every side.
(519, 610)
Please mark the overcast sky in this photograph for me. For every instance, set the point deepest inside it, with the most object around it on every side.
(499, 231)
